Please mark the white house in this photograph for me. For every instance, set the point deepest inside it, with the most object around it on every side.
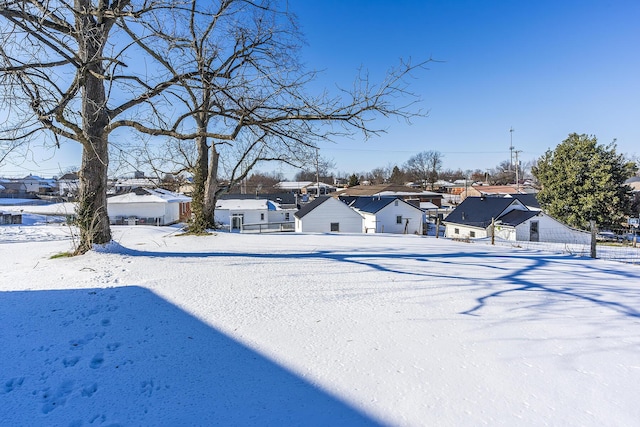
(68, 184)
(253, 215)
(148, 206)
(37, 185)
(328, 215)
(511, 220)
(388, 215)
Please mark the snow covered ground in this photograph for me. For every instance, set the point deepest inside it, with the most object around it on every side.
(301, 329)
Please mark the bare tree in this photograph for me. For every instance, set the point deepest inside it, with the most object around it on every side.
(63, 68)
(245, 101)
(320, 170)
(378, 175)
(502, 174)
(425, 166)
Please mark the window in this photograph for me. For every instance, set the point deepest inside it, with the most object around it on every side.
(261, 217)
(395, 203)
(456, 231)
(286, 216)
(472, 234)
(399, 219)
(335, 226)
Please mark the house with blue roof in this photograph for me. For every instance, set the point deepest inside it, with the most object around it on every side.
(508, 218)
(387, 214)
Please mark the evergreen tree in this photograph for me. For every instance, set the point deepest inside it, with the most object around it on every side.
(397, 176)
(354, 180)
(583, 181)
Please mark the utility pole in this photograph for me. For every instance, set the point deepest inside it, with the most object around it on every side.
(517, 170)
(511, 147)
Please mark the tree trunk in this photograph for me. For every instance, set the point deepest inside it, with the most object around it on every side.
(199, 222)
(211, 188)
(93, 219)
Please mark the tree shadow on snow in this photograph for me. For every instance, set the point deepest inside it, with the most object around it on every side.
(125, 356)
(506, 280)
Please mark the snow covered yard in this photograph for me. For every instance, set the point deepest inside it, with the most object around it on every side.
(302, 329)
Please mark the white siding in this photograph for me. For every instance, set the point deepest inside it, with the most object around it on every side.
(319, 220)
(464, 232)
(505, 232)
(551, 230)
(387, 217)
(280, 215)
(140, 210)
(250, 216)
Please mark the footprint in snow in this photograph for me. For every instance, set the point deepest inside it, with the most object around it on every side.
(12, 384)
(87, 391)
(70, 361)
(97, 361)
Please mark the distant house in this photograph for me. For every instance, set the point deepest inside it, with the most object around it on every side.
(126, 185)
(305, 187)
(68, 184)
(37, 185)
(253, 215)
(511, 219)
(328, 215)
(415, 196)
(148, 206)
(387, 214)
(495, 190)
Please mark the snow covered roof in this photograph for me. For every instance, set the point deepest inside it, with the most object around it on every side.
(293, 185)
(245, 204)
(147, 195)
(388, 190)
(428, 206)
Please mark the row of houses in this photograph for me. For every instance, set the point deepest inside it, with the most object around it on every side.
(514, 218)
(501, 212)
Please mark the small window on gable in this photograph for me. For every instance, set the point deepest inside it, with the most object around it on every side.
(335, 226)
(399, 219)
(456, 231)
(472, 234)
(395, 203)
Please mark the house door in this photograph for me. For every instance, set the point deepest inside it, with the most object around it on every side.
(534, 231)
(237, 221)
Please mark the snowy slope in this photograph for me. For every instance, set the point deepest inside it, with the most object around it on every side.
(294, 329)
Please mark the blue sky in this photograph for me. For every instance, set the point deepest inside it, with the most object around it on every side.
(545, 68)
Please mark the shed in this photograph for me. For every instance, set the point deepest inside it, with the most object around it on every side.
(328, 215)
